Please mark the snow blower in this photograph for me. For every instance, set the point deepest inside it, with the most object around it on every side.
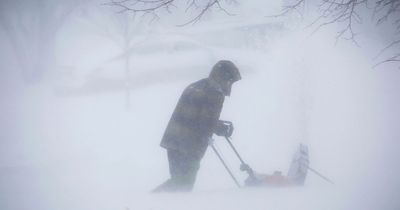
(296, 175)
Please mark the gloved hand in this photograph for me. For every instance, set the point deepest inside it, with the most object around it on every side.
(244, 167)
(224, 128)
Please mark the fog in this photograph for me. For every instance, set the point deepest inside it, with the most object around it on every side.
(87, 92)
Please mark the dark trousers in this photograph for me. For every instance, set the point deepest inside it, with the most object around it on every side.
(183, 170)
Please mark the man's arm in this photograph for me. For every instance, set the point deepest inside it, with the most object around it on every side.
(189, 106)
(210, 112)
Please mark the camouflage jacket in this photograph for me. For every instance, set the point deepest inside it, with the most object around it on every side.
(194, 119)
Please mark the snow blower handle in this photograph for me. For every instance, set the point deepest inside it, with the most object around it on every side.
(244, 166)
(225, 166)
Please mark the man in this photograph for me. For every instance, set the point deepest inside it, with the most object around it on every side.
(193, 122)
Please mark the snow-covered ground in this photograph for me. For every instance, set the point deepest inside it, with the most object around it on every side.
(88, 152)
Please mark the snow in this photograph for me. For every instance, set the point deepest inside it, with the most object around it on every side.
(90, 152)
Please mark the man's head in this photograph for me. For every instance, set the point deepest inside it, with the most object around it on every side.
(224, 73)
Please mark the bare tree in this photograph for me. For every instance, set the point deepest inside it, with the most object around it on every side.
(31, 27)
(122, 29)
(349, 13)
(154, 7)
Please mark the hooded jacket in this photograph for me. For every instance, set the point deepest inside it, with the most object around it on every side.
(194, 118)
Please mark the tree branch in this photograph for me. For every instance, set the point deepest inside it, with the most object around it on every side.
(152, 7)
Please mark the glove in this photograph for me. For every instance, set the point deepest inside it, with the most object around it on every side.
(244, 167)
(224, 128)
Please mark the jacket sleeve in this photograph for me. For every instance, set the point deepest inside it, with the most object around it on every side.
(210, 113)
(198, 111)
(189, 107)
